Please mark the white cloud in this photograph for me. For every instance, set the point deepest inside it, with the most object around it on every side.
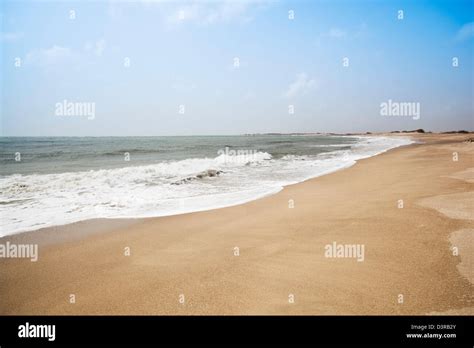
(466, 32)
(336, 33)
(48, 56)
(202, 12)
(211, 12)
(300, 86)
(10, 37)
(58, 54)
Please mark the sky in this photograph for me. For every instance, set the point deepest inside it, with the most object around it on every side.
(133, 68)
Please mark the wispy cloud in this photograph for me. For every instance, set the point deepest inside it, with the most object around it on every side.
(300, 86)
(48, 56)
(57, 54)
(336, 33)
(10, 37)
(466, 32)
(211, 12)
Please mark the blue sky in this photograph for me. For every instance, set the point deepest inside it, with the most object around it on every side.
(183, 53)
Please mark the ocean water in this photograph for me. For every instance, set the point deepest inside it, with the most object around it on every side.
(53, 181)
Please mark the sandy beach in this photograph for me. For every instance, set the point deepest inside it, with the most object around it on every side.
(264, 257)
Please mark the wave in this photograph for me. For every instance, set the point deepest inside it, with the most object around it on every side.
(131, 151)
(330, 145)
(29, 202)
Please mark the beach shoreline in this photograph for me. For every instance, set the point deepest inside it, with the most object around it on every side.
(280, 249)
(166, 185)
(82, 228)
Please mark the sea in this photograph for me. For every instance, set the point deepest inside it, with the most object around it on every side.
(50, 181)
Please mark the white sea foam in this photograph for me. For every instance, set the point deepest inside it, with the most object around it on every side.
(29, 202)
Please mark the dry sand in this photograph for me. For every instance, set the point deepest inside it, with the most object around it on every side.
(408, 251)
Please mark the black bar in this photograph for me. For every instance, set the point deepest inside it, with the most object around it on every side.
(133, 330)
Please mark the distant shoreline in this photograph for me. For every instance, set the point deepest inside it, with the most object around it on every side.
(245, 134)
